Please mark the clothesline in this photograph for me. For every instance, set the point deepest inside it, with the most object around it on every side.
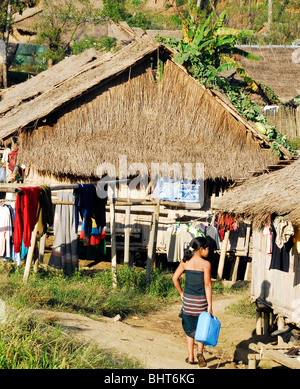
(56, 187)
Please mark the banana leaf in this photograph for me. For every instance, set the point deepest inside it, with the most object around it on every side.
(247, 77)
(232, 31)
(176, 19)
(226, 66)
(220, 21)
(225, 41)
(245, 54)
(203, 45)
(227, 31)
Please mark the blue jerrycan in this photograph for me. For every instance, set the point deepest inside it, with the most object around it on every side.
(208, 328)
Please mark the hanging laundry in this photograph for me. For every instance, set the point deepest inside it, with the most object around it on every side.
(9, 254)
(88, 205)
(185, 191)
(226, 223)
(211, 233)
(64, 253)
(297, 239)
(45, 211)
(12, 159)
(92, 248)
(176, 238)
(26, 206)
(5, 231)
(5, 155)
(284, 230)
(280, 259)
(267, 231)
(2, 175)
(17, 174)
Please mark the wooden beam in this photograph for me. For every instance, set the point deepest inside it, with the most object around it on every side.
(152, 243)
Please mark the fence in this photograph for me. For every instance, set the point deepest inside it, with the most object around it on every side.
(286, 120)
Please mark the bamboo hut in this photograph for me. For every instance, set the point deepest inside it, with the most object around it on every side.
(275, 194)
(93, 108)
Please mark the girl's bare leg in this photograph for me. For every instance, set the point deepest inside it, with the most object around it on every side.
(190, 347)
(200, 347)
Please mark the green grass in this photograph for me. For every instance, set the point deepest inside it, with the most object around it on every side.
(90, 295)
(27, 342)
(243, 308)
(30, 342)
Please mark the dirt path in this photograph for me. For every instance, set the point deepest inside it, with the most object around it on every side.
(158, 341)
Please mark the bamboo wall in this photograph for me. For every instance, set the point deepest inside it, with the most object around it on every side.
(276, 289)
(286, 120)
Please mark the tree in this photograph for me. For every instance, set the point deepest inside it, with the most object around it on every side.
(7, 9)
(270, 13)
(209, 47)
(114, 9)
(58, 25)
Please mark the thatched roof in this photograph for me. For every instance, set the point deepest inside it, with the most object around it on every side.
(259, 197)
(94, 107)
(278, 68)
(39, 96)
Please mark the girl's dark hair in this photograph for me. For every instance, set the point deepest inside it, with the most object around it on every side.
(195, 245)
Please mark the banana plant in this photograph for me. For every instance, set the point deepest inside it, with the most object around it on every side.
(213, 46)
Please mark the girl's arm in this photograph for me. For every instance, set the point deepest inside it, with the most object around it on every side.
(175, 278)
(208, 287)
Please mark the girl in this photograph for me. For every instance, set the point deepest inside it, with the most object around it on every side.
(197, 296)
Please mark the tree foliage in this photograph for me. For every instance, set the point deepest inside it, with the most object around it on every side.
(208, 48)
(58, 25)
(17, 6)
(115, 9)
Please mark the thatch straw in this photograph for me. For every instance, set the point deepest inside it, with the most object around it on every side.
(42, 94)
(175, 121)
(277, 68)
(259, 197)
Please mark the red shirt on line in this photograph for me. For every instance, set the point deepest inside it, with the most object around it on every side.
(26, 207)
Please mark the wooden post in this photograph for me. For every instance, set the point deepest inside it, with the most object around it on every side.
(35, 258)
(246, 275)
(40, 255)
(235, 269)
(223, 255)
(266, 322)
(152, 242)
(280, 325)
(113, 242)
(42, 248)
(127, 230)
(112, 200)
(258, 322)
(30, 254)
